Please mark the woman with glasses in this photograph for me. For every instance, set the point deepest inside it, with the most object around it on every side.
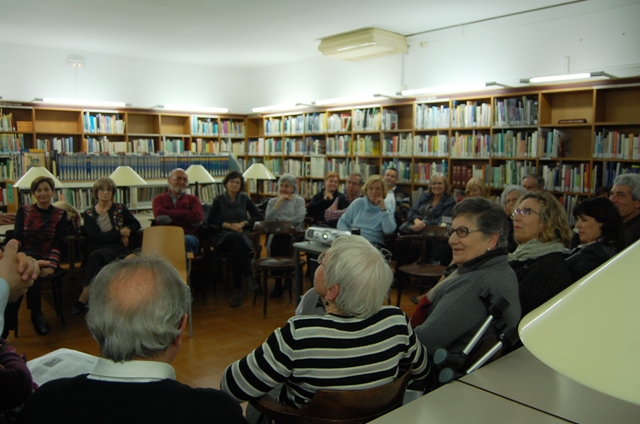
(358, 344)
(541, 230)
(370, 213)
(600, 229)
(509, 200)
(109, 228)
(452, 311)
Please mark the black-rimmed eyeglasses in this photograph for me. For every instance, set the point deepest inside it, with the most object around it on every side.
(461, 232)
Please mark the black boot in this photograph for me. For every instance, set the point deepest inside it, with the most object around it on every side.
(40, 323)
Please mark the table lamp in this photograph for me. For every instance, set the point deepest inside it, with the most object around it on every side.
(198, 174)
(258, 171)
(125, 176)
(589, 332)
(24, 183)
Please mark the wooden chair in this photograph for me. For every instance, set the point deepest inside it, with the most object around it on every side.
(168, 241)
(338, 406)
(424, 268)
(273, 266)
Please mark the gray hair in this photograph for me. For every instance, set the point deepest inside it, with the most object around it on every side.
(357, 174)
(362, 273)
(630, 180)
(487, 215)
(289, 179)
(538, 178)
(136, 306)
(508, 189)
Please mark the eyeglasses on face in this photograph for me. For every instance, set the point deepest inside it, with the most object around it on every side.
(461, 232)
(523, 212)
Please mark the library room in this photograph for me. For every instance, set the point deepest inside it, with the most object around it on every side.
(353, 212)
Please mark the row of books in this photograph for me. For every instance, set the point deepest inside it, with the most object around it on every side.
(58, 144)
(470, 114)
(100, 123)
(367, 119)
(6, 122)
(317, 166)
(518, 144)
(398, 145)
(423, 171)
(432, 116)
(608, 171)
(510, 172)
(460, 174)
(339, 146)
(339, 122)
(6, 195)
(367, 146)
(473, 145)
(567, 177)
(431, 145)
(516, 111)
(556, 143)
(315, 122)
(11, 142)
(215, 127)
(615, 145)
(389, 120)
(403, 168)
(217, 147)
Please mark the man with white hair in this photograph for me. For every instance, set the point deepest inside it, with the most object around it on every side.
(625, 195)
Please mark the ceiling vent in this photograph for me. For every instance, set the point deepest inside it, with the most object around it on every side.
(363, 44)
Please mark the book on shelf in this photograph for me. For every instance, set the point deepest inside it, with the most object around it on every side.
(100, 123)
(11, 142)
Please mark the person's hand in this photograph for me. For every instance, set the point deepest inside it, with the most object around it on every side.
(18, 270)
(125, 241)
(125, 232)
(418, 225)
(236, 227)
(333, 207)
(44, 272)
(379, 201)
(328, 195)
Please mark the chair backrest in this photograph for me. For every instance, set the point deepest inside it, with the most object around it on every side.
(167, 241)
(340, 406)
(276, 228)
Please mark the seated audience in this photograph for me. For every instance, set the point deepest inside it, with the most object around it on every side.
(40, 230)
(451, 312)
(599, 226)
(230, 216)
(286, 206)
(509, 200)
(541, 230)
(333, 213)
(176, 207)
(625, 195)
(533, 182)
(397, 200)
(370, 214)
(475, 188)
(358, 344)
(109, 227)
(138, 315)
(324, 199)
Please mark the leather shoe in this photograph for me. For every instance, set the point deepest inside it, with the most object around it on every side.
(78, 308)
(40, 325)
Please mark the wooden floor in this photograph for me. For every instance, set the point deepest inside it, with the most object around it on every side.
(221, 334)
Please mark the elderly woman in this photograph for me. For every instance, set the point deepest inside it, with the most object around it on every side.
(475, 188)
(541, 229)
(450, 313)
(600, 229)
(324, 199)
(370, 213)
(286, 206)
(358, 344)
(109, 227)
(509, 200)
(230, 216)
(40, 229)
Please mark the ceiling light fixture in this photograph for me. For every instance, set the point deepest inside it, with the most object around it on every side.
(79, 102)
(454, 88)
(187, 108)
(567, 77)
(356, 98)
(284, 106)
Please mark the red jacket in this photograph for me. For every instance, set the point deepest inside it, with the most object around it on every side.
(186, 213)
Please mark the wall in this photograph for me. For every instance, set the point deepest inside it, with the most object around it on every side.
(596, 35)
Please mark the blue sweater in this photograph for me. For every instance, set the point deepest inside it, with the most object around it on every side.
(371, 220)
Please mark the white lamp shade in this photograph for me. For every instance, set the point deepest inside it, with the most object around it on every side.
(125, 176)
(199, 174)
(258, 171)
(33, 173)
(589, 332)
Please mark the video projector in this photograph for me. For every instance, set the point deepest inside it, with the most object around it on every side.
(324, 235)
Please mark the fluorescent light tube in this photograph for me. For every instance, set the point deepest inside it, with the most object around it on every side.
(284, 106)
(454, 88)
(187, 108)
(567, 77)
(356, 98)
(80, 102)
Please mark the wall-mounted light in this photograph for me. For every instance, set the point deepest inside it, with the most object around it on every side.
(195, 109)
(79, 102)
(356, 98)
(454, 88)
(284, 106)
(567, 77)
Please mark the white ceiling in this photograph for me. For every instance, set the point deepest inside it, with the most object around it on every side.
(244, 34)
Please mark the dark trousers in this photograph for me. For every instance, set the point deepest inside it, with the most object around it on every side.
(237, 252)
(99, 258)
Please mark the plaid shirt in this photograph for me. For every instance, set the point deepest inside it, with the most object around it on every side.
(332, 216)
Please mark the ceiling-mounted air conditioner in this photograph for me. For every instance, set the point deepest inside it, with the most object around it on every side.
(362, 44)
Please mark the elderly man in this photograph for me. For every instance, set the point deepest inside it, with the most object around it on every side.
(138, 313)
(625, 195)
(340, 205)
(175, 207)
(533, 182)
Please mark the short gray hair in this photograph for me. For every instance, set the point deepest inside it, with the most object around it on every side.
(630, 180)
(508, 189)
(538, 178)
(487, 215)
(136, 306)
(362, 273)
(289, 179)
